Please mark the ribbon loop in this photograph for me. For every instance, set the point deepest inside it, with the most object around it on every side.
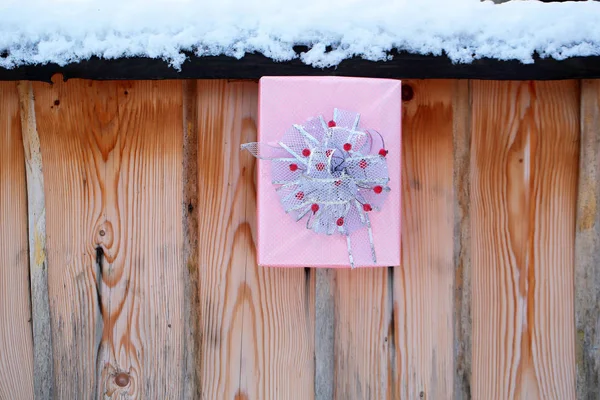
(333, 174)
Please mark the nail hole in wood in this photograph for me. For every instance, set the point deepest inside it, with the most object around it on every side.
(407, 92)
(122, 379)
(102, 233)
(56, 102)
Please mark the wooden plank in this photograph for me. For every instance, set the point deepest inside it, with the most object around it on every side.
(462, 239)
(523, 195)
(363, 319)
(325, 333)
(587, 247)
(16, 345)
(257, 335)
(423, 284)
(38, 264)
(402, 65)
(193, 316)
(113, 159)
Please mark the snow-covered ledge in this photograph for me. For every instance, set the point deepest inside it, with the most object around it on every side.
(250, 38)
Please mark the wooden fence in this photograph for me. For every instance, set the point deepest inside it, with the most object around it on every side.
(136, 211)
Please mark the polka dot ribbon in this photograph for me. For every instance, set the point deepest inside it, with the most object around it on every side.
(331, 175)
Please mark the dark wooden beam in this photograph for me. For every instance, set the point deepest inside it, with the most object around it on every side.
(253, 66)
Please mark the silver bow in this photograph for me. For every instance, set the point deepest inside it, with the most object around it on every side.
(332, 174)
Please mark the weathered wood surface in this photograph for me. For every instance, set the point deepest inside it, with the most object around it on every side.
(16, 347)
(523, 203)
(153, 285)
(587, 247)
(257, 339)
(462, 239)
(363, 329)
(38, 263)
(324, 333)
(112, 166)
(423, 284)
(193, 316)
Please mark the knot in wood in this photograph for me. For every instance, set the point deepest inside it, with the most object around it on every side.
(104, 235)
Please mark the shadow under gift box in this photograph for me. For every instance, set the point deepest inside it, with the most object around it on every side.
(285, 101)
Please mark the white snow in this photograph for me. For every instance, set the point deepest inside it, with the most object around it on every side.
(65, 31)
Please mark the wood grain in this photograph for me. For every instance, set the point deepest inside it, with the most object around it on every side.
(523, 195)
(16, 345)
(38, 263)
(113, 159)
(462, 239)
(423, 285)
(363, 322)
(324, 333)
(193, 315)
(257, 336)
(587, 247)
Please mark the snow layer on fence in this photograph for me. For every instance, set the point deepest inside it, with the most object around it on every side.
(66, 31)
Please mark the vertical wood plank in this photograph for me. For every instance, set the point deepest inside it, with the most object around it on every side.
(523, 194)
(363, 318)
(113, 159)
(16, 346)
(257, 336)
(193, 316)
(38, 263)
(462, 239)
(423, 289)
(587, 250)
(324, 333)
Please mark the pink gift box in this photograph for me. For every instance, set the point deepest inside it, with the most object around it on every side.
(285, 101)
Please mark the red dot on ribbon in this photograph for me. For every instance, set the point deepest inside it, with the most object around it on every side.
(383, 152)
(363, 164)
(337, 183)
(314, 208)
(367, 207)
(340, 222)
(320, 166)
(328, 153)
(331, 124)
(300, 195)
(347, 146)
(378, 189)
(306, 152)
(293, 167)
